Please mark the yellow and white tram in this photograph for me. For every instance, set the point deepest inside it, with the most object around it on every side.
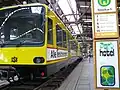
(34, 41)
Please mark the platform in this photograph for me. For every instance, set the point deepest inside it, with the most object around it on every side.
(81, 77)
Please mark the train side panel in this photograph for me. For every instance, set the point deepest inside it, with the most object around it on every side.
(57, 57)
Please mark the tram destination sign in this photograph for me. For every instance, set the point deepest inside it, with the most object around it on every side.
(107, 64)
(104, 6)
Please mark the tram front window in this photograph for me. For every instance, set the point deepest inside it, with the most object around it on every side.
(22, 25)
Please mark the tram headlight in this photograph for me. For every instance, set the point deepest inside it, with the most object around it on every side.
(38, 60)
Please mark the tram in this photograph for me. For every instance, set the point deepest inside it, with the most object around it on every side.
(34, 42)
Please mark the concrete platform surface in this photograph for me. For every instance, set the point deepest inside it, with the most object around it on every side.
(81, 77)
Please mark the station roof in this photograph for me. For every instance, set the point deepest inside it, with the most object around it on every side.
(78, 15)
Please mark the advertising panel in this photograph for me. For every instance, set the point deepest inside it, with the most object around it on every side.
(107, 71)
(53, 54)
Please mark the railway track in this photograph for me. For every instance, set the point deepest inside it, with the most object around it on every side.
(51, 83)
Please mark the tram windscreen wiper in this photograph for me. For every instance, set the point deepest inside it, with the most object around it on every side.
(2, 44)
(6, 19)
(19, 44)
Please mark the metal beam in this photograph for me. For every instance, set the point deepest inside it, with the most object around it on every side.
(17, 1)
(75, 19)
(69, 15)
(84, 13)
(73, 22)
(87, 33)
(87, 14)
(79, 40)
(87, 23)
(83, 0)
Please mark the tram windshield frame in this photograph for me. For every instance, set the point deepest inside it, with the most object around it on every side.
(22, 25)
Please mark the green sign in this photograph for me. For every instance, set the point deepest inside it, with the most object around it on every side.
(107, 75)
(106, 49)
(104, 3)
(107, 46)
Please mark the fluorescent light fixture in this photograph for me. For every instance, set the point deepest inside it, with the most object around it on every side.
(24, 2)
(88, 21)
(118, 7)
(87, 26)
(84, 6)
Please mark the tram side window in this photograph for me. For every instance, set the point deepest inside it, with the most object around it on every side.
(64, 40)
(59, 35)
(68, 43)
(75, 46)
(71, 44)
(50, 31)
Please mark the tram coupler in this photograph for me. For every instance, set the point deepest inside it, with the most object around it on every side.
(7, 73)
(3, 75)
